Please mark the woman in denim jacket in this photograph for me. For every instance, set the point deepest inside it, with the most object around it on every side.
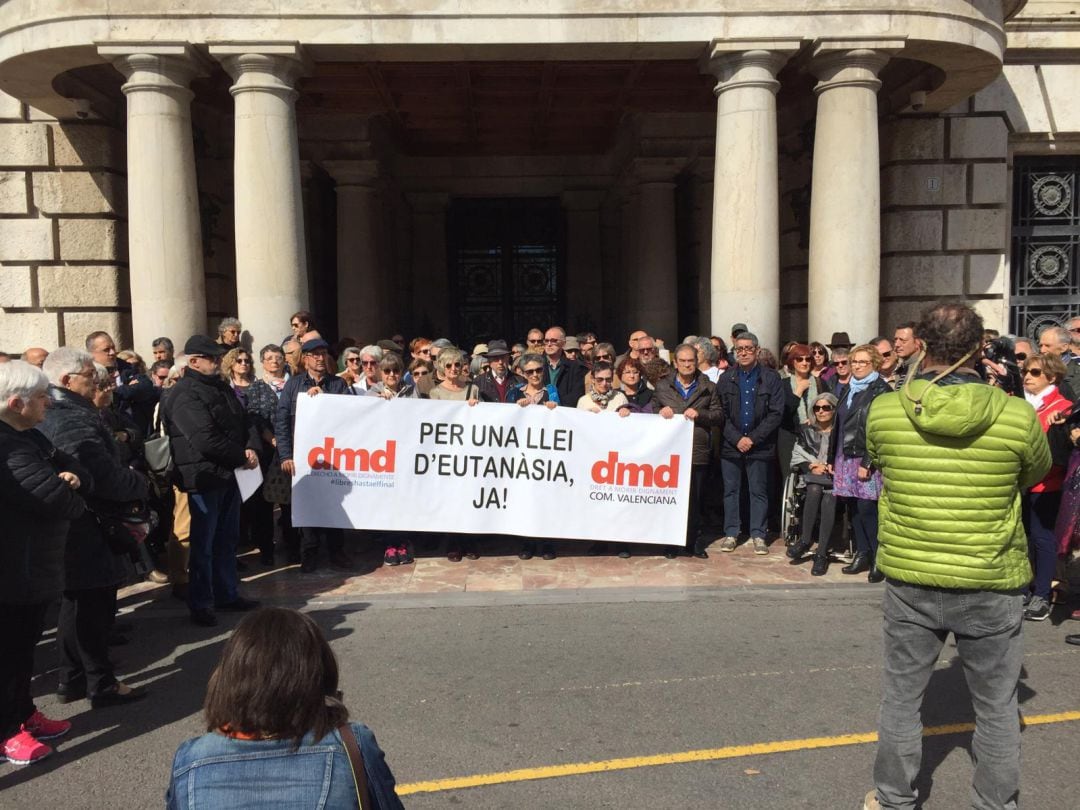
(273, 713)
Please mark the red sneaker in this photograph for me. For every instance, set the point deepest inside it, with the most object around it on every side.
(42, 728)
(403, 555)
(390, 557)
(23, 749)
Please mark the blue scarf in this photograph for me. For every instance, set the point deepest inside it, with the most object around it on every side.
(858, 386)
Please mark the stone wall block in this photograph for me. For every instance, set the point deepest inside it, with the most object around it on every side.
(21, 330)
(894, 312)
(16, 287)
(11, 108)
(13, 193)
(993, 311)
(88, 145)
(989, 183)
(913, 139)
(986, 274)
(80, 193)
(24, 145)
(978, 137)
(100, 240)
(935, 184)
(26, 240)
(977, 229)
(82, 286)
(913, 230)
(77, 325)
(921, 275)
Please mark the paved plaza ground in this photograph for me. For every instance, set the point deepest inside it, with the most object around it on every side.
(582, 682)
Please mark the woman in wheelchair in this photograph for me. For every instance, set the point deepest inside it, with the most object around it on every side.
(811, 461)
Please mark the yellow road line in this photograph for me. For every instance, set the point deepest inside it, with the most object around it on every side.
(701, 755)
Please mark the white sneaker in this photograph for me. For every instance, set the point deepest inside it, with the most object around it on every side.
(729, 543)
(871, 802)
(759, 546)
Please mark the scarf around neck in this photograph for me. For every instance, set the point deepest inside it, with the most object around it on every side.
(858, 386)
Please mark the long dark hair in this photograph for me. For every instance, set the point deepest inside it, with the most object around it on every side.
(277, 677)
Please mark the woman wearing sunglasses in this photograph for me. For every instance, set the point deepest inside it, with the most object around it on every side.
(533, 392)
(602, 353)
(1042, 373)
(812, 457)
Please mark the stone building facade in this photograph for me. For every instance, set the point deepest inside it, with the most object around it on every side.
(476, 167)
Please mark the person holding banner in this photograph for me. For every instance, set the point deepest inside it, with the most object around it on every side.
(534, 392)
(602, 397)
(391, 386)
(690, 393)
(313, 379)
(639, 397)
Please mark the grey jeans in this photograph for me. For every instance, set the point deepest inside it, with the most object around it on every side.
(987, 626)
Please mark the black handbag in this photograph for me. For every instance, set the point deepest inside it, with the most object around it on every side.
(124, 525)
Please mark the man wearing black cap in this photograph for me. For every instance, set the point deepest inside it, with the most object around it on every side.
(211, 436)
(312, 379)
(841, 341)
(496, 383)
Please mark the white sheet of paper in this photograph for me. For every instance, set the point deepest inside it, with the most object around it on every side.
(248, 480)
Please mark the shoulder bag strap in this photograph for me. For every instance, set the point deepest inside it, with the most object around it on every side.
(356, 763)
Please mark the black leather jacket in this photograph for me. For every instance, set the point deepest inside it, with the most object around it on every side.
(853, 418)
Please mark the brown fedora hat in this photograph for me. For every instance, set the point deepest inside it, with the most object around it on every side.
(840, 340)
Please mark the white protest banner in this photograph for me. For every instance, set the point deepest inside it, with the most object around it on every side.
(428, 465)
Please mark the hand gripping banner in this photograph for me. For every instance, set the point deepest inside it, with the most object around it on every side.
(433, 466)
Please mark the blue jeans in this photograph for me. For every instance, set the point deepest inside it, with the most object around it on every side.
(215, 532)
(757, 480)
(1040, 512)
(987, 626)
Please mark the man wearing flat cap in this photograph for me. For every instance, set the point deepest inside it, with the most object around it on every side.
(313, 378)
(210, 436)
(496, 383)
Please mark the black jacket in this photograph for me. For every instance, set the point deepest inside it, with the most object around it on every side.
(703, 400)
(135, 395)
(73, 424)
(769, 401)
(571, 382)
(489, 391)
(853, 418)
(38, 509)
(285, 418)
(208, 431)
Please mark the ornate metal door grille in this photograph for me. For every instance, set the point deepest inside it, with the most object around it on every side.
(505, 268)
(1045, 283)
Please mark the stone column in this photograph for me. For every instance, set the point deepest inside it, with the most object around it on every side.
(361, 301)
(845, 201)
(271, 260)
(656, 286)
(168, 289)
(626, 300)
(584, 292)
(745, 267)
(432, 289)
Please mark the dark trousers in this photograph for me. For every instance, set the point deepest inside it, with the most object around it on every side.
(757, 484)
(82, 634)
(257, 523)
(312, 536)
(823, 502)
(1040, 512)
(20, 631)
(215, 532)
(865, 521)
(695, 509)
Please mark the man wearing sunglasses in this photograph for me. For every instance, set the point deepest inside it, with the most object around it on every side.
(568, 376)
(889, 360)
(312, 380)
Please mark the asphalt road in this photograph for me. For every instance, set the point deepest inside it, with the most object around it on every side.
(460, 685)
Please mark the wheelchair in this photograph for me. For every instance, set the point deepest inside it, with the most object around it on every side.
(791, 518)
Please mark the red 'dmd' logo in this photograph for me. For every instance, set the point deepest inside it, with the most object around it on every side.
(620, 473)
(360, 459)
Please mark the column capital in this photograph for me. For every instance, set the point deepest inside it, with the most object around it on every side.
(157, 66)
(273, 67)
(851, 63)
(747, 63)
(361, 173)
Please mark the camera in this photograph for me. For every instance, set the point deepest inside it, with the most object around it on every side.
(1002, 352)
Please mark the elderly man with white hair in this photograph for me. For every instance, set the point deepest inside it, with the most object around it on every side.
(93, 571)
(38, 499)
(1057, 340)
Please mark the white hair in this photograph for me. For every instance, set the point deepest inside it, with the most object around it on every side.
(20, 379)
(375, 352)
(101, 374)
(180, 362)
(65, 361)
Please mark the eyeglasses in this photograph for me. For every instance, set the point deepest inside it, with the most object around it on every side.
(823, 408)
(391, 371)
(535, 342)
(745, 349)
(602, 379)
(455, 365)
(369, 362)
(296, 324)
(803, 359)
(242, 361)
(860, 362)
(531, 371)
(841, 363)
(602, 357)
(647, 350)
(1034, 372)
(886, 354)
(1075, 330)
(552, 340)
(420, 372)
(425, 350)
(352, 360)
(818, 351)
(1021, 356)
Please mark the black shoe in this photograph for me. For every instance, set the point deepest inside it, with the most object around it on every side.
(548, 551)
(1073, 639)
(858, 565)
(113, 697)
(527, 552)
(69, 693)
(239, 605)
(875, 576)
(309, 566)
(701, 554)
(204, 618)
(671, 553)
(821, 567)
(624, 553)
(798, 550)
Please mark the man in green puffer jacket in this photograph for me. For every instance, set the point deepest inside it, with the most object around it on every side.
(955, 455)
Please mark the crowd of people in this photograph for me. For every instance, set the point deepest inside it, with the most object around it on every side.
(114, 467)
